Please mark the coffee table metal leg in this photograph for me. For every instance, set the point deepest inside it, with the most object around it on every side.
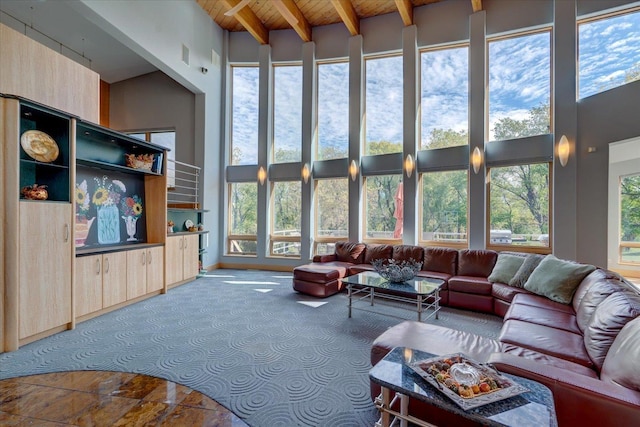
(419, 299)
(437, 302)
(349, 294)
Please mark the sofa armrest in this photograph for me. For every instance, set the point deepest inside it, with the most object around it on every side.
(578, 398)
(324, 258)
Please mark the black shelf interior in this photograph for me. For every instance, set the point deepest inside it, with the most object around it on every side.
(55, 175)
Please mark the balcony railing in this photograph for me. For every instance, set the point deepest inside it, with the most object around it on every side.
(183, 182)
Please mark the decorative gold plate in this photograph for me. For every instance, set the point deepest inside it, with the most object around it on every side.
(39, 146)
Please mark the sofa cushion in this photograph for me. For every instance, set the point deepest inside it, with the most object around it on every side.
(441, 260)
(522, 275)
(542, 316)
(470, 285)
(432, 339)
(476, 262)
(504, 292)
(546, 359)
(350, 252)
(546, 339)
(594, 277)
(321, 272)
(435, 275)
(557, 279)
(506, 267)
(598, 292)
(621, 365)
(538, 301)
(374, 252)
(610, 317)
(407, 252)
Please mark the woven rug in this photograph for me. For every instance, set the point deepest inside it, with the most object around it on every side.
(244, 338)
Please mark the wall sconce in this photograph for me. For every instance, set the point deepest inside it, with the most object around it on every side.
(409, 165)
(353, 170)
(563, 150)
(306, 173)
(262, 175)
(476, 159)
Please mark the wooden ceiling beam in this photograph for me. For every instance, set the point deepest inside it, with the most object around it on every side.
(294, 17)
(348, 15)
(406, 11)
(249, 21)
(476, 5)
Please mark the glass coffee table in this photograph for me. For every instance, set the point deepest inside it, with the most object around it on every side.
(533, 408)
(421, 292)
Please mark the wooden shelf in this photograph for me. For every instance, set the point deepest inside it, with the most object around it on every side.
(114, 248)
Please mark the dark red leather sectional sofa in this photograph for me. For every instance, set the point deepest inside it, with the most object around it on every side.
(587, 352)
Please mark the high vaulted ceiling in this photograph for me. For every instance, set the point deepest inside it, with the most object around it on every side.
(258, 17)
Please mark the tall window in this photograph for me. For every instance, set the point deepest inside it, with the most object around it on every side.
(630, 220)
(520, 86)
(286, 217)
(244, 115)
(243, 218)
(608, 53)
(519, 205)
(444, 207)
(444, 97)
(287, 113)
(333, 110)
(332, 213)
(384, 210)
(383, 97)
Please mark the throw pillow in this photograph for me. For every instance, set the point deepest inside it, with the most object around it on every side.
(506, 267)
(557, 279)
(530, 263)
(349, 251)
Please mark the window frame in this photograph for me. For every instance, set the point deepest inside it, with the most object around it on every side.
(511, 35)
(419, 86)
(439, 243)
(316, 142)
(273, 238)
(326, 239)
(242, 237)
(231, 117)
(545, 250)
(274, 66)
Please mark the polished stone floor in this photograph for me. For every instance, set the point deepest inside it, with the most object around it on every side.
(99, 398)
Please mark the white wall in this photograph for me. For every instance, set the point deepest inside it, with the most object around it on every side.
(157, 32)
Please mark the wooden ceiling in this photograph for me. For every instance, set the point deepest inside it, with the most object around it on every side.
(258, 17)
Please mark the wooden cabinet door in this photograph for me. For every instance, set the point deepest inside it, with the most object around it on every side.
(155, 269)
(173, 261)
(45, 266)
(88, 284)
(136, 273)
(114, 278)
(190, 256)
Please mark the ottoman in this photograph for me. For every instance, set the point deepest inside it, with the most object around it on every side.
(319, 279)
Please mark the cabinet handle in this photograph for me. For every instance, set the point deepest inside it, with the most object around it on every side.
(106, 265)
(185, 243)
(66, 232)
(144, 260)
(97, 267)
(148, 257)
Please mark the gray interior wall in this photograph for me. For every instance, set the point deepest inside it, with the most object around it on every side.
(148, 97)
(603, 118)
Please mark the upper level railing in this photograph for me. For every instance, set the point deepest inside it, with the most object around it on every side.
(183, 181)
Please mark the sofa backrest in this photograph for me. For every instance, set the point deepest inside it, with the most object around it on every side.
(598, 291)
(621, 365)
(375, 251)
(350, 252)
(407, 252)
(441, 260)
(607, 321)
(476, 262)
(584, 287)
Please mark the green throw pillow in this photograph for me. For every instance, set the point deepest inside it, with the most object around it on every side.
(506, 267)
(525, 270)
(557, 279)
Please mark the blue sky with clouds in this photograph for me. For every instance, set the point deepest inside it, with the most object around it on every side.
(519, 79)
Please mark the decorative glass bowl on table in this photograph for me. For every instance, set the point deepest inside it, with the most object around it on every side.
(397, 272)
